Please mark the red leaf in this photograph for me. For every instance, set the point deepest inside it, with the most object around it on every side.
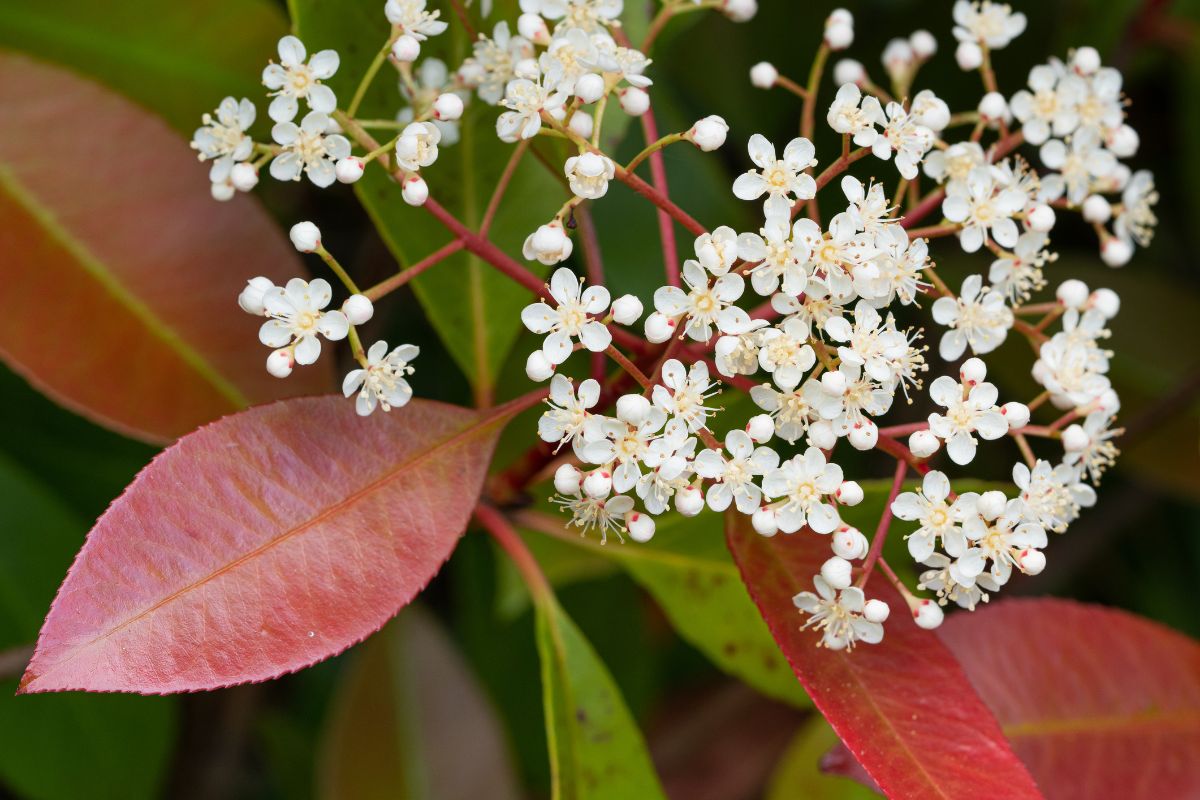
(264, 543)
(1098, 703)
(120, 272)
(904, 707)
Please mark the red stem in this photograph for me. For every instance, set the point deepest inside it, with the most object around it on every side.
(666, 228)
(396, 281)
(885, 521)
(510, 541)
(502, 186)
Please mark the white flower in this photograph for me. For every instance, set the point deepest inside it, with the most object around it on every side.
(604, 514)
(1049, 106)
(984, 210)
(785, 352)
(852, 114)
(777, 256)
(868, 207)
(568, 58)
(791, 410)
(738, 355)
(292, 79)
(871, 343)
(1053, 495)
(549, 244)
(717, 251)
(1136, 220)
(999, 538)
(900, 263)
(224, 138)
(525, 101)
(411, 18)
(683, 392)
(308, 149)
(838, 615)
(418, 145)
(491, 66)
(431, 92)
(669, 462)
(296, 317)
(735, 472)
(938, 519)
(1079, 166)
(589, 15)
(956, 162)
(902, 135)
(382, 379)
(570, 318)
(930, 110)
(779, 179)
(1099, 453)
(1018, 274)
(977, 318)
(968, 411)
(568, 419)
(987, 23)
(803, 485)
(942, 579)
(589, 174)
(1072, 369)
(627, 443)
(704, 305)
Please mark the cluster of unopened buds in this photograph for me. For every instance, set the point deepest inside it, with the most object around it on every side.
(803, 316)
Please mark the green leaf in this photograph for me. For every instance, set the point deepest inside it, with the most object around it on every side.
(178, 59)
(475, 310)
(596, 749)
(64, 746)
(410, 721)
(798, 773)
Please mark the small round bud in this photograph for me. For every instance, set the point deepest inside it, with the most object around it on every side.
(349, 170)
(840, 16)
(972, 371)
(1040, 218)
(689, 501)
(848, 71)
(406, 49)
(1072, 293)
(1108, 402)
(537, 367)
(834, 383)
(1124, 142)
(582, 124)
(849, 543)
(251, 298)
(1116, 252)
(448, 107)
(1096, 209)
(836, 572)
(898, 57)
(305, 236)
(590, 87)
(993, 107)
(223, 191)
(280, 363)
(839, 36)
(626, 309)
(709, 133)
(991, 504)
(358, 309)
(1107, 302)
(876, 611)
(597, 484)
(821, 435)
(1075, 438)
(927, 614)
(849, 493)
(659, 327)
(923, 444)
(760, 428)
(1085, 60)
(923, 44)
(635, 101)
(640, 526)
(1016, 414)
(415, 190)
(243, 176)
(863, 435)
(740, 10)
(763, 522)
(533, 28)
(633, 409)
(568, 479)
(1031, 561)
(763, 75)
(969, 56)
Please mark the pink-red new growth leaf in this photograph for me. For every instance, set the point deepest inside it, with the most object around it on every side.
(120, 272)
(904, 707)
(264, 543)
(1098, 703)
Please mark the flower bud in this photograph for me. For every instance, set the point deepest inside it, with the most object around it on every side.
(969, 56)
(640, 526)
(597, 484)
(1085, 61)
(923, 44)
(689, 501)
(635, 101)
(927, 614)
(898, 57)
(659, 327)
(1072, 293)
(590, 87)
(582, 124)
(1096, 209)
(406, 49)
(243, 176)
(305, 237)
(251, 298)
(626, 309)
(991, 504)
(763, 75)
(448, 107)
(1116, 252)
(993, 107)
(848, 71)
(836, 572)
(1031, 561)
(1075, 438)
(849, 493)
(537, 367)
(849, 543)
(709, 133)
(349, 170)
(821, 435)
(839, 36)
(1040, 218)
(972, 371)
(863, 435)
(280, 363)
(533, 28)
(633, 409)
(839, 16)
(415, 190)
(834, 383)
(763, 522)
(740, 10)
(1016, 414)
(923, 444)
(358, 309)
(549, 244)
(568, 479)
(1108, 402)
(876, 611)
(1123, 142)
(760, 428)
(1107, 302)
